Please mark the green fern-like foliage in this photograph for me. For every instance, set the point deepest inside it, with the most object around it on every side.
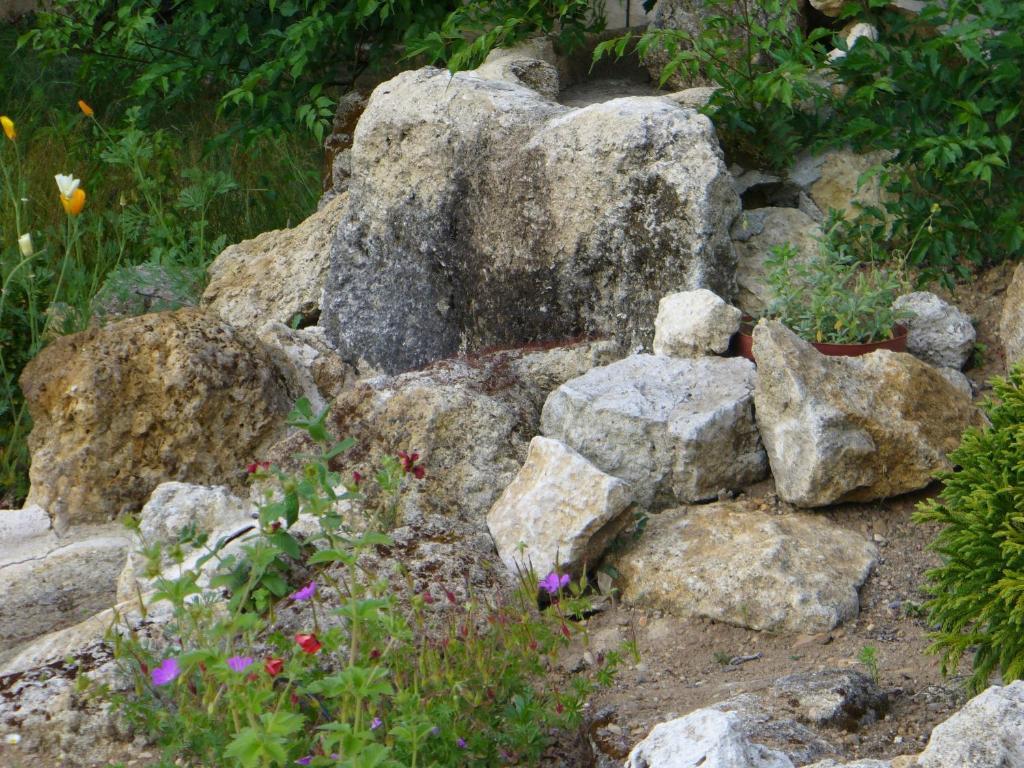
(977, 594)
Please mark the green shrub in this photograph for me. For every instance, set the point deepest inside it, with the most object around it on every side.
(378, 675)
(977, 594)
(942, 91)
(769, 93)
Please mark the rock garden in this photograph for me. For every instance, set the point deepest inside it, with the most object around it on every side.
(661, 411)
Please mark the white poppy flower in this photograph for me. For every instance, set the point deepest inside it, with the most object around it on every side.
(25, 244)
(67, 184)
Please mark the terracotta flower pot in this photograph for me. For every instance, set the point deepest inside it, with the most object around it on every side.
(743, 343)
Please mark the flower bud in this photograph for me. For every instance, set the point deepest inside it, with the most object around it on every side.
(25, 244)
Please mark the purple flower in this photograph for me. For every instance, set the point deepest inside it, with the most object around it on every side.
(166, 672)
(552, 583)
(434, 731)
(377, 723)
(304, 760)
(461, 742)
(305, 593)
(240, 663)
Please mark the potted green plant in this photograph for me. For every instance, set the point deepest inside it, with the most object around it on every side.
(839, 306)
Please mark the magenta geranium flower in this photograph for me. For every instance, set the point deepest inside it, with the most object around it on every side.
(376, 723)
(240, 663)
(552, 583)
(304, 760)
(166, 672)
(305, 593)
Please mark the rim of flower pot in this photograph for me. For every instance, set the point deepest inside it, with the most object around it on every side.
(743, 342)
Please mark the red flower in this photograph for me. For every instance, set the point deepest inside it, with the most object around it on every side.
(256, 466)
(273, 666)
(409, 464)
(357, 478)
(375, 654)
(451, 597)
(565, 631)
(428, 598)
(308, 643)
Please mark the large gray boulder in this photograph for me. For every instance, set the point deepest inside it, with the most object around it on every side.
(731, 563)
(483, 214)
(987, 733)
(852, 428)
(675, 429)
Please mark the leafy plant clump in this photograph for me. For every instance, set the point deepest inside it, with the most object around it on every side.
(977, 594)
(371, 672)
(831, 298)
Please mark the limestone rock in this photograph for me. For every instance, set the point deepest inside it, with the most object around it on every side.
(119, 410)
(728, 562)
(853, 428)
(1011, 323)
(844, 699)
(532, 64)
(755, 234)
(832, 180)
(987, 733)
(310, 366)
(277, 275)
(866, 763)
(674, 429)
(694, 323)
(50, 583)
(706, 738)
(470, 420)
(338, 145)
(483, 215)
(937, 332)
(561, 507)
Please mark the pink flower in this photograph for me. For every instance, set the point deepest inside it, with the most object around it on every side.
(553, 583)
(274, 667)
(308, 643)
(166, 672)
(377, 723)
(305, 593)
(240, 663)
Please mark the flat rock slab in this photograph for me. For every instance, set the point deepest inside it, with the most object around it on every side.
(560, 512)
(674, 429)
(727, 562)
(852, 428)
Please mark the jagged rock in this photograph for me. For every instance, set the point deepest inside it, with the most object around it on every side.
(937, 332)
(729, 562)
(831, 180)
(532, 64)
(844, 699)
(560, 512)
(693, 324)
(278, 275)
(1011, 322)
(470, 420)
(484, 215)
(674, 429)
(49, 583)
(987, 733)
(338, 145)
(764, 724)
(755, 234)
(119, 410)
(852, 428)
(707, 738)
(310, 366)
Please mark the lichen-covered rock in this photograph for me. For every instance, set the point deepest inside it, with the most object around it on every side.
(937, 332)
(1011, 322)
(119, 410)
(987, 733)
(832, 181)
(483, 214)
(310, 366)
(754, 235)
(706, 738)
(278, 275)
(693, 324)
(852, 428)
(675, 429)
(560, 512)
(728, 562)
(837, 698)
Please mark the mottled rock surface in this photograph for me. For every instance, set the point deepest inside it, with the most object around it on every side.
(832, 180)
(119, 410)
(1011, 322)
(673, 428)
(483, 214)
(693, 324)
(937, 332)
(987, 733)
(560, 512)
(278, 275)
(727, 562)
(835, 698)
(852, 428)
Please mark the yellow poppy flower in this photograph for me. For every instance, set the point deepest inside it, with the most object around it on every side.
(86, 109)
(8, 126)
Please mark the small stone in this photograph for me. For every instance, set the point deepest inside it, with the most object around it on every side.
(937, 332)
(693, 324)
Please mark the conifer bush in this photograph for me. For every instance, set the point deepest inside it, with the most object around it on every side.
(977, 594)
